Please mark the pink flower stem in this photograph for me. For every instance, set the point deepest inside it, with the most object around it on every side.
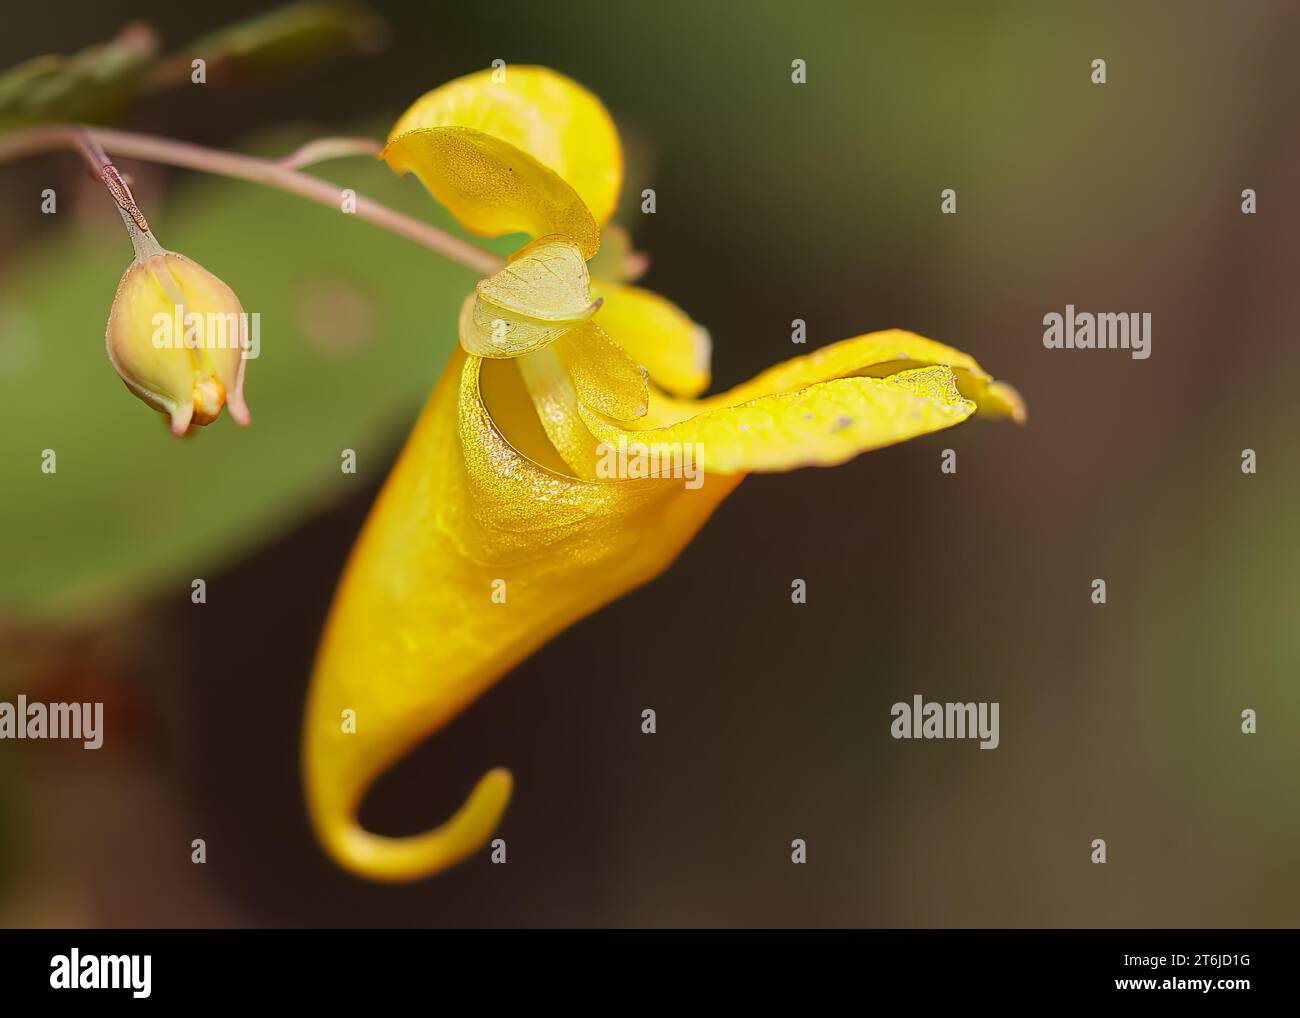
(93, 142)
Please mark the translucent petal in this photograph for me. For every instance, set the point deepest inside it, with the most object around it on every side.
(487, 331)
(545, 281)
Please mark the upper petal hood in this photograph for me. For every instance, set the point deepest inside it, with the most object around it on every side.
(516, 149)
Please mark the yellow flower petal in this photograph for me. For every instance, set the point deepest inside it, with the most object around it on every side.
(486, 331)
(657, 334)
(555, 401)
(542, 293)
(492, 187)
(880, 353)
(996, 399)
(603, 375)
(545, 281)
(875, 354)
(822, 408)
(819, 425)
(415, 635)
(482, 546)
(616, 257)
(550, 117)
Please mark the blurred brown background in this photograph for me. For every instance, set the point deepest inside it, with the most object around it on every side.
(774, 202)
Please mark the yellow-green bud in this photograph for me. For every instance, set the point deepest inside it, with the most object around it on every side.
(178, 336)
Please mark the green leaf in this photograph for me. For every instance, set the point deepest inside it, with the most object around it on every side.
(94, 85)
(296, 37)
(356, 325)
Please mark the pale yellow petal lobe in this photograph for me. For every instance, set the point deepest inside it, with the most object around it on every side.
(555, 401)
(605, 377)
(658, 334)
(487, 331)
(546, 280)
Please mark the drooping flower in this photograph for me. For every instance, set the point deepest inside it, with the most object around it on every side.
(502, 522)
(177, 336)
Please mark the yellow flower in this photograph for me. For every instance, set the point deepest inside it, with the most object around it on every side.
(548, 475)
(177, 336)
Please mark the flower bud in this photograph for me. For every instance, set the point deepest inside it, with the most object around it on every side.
(177, 335)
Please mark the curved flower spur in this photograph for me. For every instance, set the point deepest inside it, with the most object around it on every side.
(502, 522)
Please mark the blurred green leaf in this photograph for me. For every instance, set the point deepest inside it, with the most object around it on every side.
(261, 50)
(97, 84)
(91, 86)
(356, 324)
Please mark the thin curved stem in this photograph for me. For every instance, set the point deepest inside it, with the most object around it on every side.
(322, 149)
(34, 140)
